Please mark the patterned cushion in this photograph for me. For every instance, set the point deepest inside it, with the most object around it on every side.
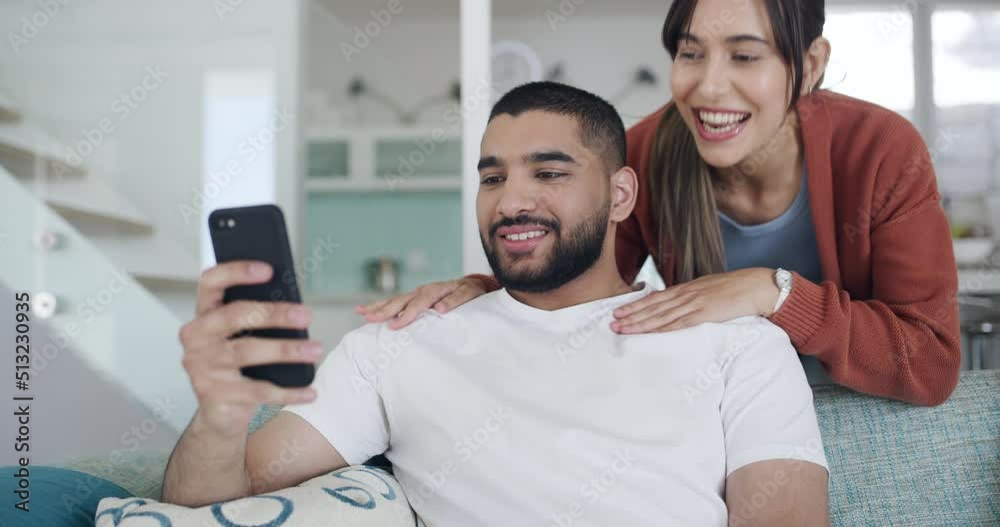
(349, 496)
(897, 464)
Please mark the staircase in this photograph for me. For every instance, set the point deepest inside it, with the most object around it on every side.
(71, 235)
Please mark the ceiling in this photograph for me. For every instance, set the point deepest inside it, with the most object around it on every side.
(355, 10)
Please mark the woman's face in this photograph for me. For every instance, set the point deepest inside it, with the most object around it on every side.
(729, 82)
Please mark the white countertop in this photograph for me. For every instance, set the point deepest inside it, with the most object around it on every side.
(979, 280)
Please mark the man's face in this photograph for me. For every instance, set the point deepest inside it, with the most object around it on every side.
(543, 203)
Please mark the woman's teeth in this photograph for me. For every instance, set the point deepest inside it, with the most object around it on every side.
(524, 235)
(721, 122)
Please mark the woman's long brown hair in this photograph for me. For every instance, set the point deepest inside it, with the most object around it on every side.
(683, 201)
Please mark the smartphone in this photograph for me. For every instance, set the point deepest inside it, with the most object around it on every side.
(258, 233)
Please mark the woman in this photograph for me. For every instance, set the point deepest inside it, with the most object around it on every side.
(752, 170)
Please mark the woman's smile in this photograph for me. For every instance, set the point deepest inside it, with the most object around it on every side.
(719, 125)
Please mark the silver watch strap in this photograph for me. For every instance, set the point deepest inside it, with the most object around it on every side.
(784, 289)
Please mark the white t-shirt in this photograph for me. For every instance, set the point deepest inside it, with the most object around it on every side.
(499, 413)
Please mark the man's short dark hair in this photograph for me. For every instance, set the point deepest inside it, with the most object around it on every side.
(601, 128)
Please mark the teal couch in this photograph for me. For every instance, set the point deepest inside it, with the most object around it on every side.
(891, 463)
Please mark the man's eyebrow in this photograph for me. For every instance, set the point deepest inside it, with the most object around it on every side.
(733, 39)
(551, 155)
(489, 162)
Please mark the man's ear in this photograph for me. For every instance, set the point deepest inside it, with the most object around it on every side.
(624, 192)
(814, 64)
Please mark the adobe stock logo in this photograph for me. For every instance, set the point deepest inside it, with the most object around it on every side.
(594, 488)
(122, 107)
(372, 29)
(465, 448)
(31, 26)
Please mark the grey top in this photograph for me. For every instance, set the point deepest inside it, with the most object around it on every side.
(789, 242)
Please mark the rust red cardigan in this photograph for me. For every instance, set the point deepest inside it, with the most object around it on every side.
(884, 321)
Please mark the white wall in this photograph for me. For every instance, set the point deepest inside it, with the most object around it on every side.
(413, 58)
(601, 54)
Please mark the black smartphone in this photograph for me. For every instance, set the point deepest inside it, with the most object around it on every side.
(258, 233)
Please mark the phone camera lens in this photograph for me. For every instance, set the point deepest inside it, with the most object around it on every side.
(231, 223)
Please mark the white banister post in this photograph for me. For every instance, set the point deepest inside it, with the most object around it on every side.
(476, 98)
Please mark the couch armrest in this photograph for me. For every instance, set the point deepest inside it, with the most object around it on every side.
(139, 472)
(896, 463)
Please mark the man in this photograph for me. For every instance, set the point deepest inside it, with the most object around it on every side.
(521, 407)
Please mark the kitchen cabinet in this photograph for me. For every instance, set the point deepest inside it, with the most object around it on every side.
(373, 193)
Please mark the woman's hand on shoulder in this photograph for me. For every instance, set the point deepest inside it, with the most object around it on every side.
(713, 298)
(402, 309)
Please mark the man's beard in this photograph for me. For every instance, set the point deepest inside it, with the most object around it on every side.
(569, 258)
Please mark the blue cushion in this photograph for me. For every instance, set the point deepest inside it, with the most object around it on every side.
(59, 497)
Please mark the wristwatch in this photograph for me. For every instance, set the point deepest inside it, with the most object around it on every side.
(782, 279)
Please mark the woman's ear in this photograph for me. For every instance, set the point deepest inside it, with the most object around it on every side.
(814, 64)
(624, 192)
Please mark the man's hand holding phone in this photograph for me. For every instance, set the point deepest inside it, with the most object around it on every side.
(227, 399)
